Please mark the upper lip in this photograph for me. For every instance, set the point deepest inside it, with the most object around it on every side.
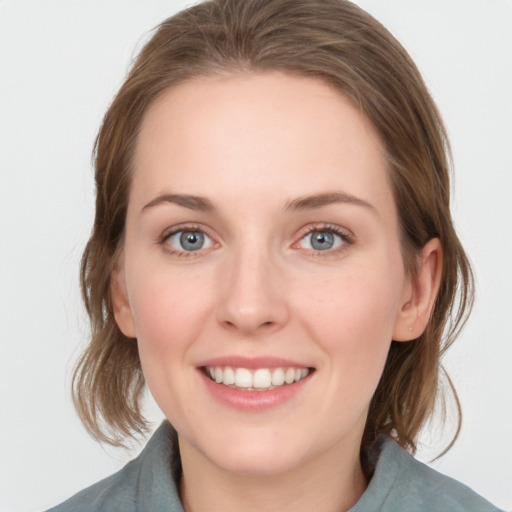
(252, 363)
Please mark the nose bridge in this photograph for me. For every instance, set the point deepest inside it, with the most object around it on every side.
(252, 298)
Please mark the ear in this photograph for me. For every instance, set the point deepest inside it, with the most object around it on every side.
(420, 295)
(120, 302)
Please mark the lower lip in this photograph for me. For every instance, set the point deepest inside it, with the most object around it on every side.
(254, 400)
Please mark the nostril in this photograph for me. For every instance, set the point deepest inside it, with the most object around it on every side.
(248, 329)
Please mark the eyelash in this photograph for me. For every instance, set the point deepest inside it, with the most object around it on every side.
(164, 238)
(345, 235)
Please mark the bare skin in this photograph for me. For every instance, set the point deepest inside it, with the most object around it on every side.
(261, 228)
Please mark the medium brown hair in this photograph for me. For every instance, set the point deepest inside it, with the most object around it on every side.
(338, 43)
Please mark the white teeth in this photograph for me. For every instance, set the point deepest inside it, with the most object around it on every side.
(229, 376)
(252, 380)
(289, 377)
(278, 377)
(262, 379)
(243, 378)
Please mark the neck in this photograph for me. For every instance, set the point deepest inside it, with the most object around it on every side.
(333, 482)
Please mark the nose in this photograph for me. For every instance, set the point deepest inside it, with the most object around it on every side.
(252, 297)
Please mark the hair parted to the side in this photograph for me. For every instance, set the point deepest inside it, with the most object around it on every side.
(330, 40)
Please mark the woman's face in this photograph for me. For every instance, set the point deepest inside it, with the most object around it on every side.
(262, 248)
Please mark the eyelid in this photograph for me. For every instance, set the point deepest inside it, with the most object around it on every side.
(345, 234)
(169, 232)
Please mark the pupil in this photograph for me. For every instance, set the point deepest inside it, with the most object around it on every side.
(322, 240)
(191, 240)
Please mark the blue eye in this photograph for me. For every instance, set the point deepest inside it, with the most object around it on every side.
(189, 241)
(322, 240)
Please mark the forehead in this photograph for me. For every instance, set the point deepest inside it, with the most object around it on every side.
(244, 134)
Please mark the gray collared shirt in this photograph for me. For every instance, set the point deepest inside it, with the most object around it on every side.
(150, 484)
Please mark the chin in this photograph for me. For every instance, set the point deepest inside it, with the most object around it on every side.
(252, 451)
(257, 462)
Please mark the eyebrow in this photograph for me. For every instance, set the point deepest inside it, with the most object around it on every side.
(198, 203)
(309, 202)
(314, 201)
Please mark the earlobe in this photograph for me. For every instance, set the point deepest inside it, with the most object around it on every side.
(121, 305)
(420, 295)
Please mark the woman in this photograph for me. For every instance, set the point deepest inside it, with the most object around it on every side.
(273, 254)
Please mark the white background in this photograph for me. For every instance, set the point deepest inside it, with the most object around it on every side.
(60, 64)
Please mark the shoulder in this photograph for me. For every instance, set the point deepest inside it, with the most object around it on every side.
(427, 488)
(146, 483)
(117, 492)
(401, 482)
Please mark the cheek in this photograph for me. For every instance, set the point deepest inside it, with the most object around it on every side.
(353, 304)
(170, 313)
(352, 318)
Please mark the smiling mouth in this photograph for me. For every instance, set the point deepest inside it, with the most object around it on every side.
(262, 379)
